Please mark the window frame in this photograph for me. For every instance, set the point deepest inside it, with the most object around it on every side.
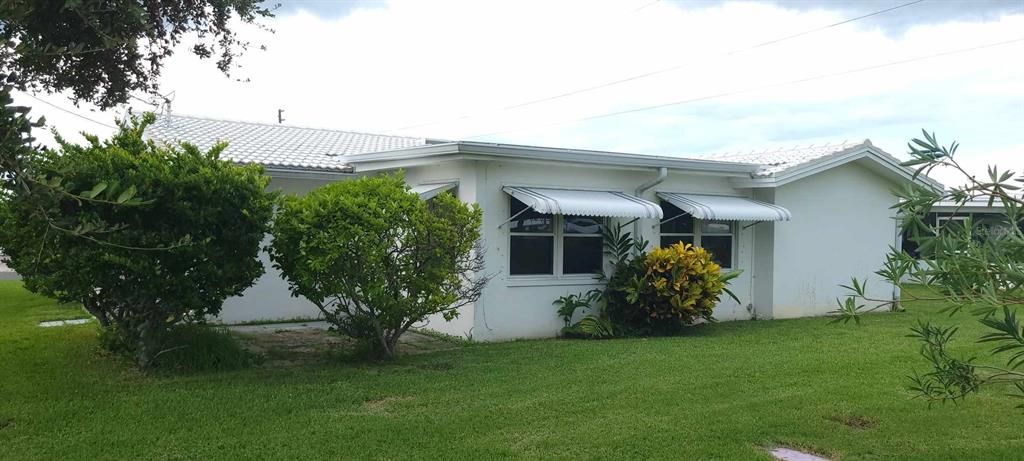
(698, 232)
(558, 235)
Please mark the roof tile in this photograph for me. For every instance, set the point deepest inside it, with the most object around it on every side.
(275, 145)
(775, 161)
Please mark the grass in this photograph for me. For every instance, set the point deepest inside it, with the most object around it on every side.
(722, 392)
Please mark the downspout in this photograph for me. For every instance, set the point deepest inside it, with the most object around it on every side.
(662, 174)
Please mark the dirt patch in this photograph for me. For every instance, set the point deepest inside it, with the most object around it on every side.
(288, 346)
(383, 405)
(6, 423)
(855, 422)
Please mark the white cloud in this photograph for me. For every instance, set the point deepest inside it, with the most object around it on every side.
(413, 63)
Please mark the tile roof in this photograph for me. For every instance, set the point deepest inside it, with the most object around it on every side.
(275, 145)
(775, 161)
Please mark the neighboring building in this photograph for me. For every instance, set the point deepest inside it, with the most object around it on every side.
(798, 222)
(986, 220)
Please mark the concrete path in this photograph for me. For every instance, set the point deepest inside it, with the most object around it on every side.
(60, 323)
(787, 454)
(273, 327)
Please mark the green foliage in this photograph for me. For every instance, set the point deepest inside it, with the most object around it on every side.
(594, 325)
(376, 259)
(191, 348)
(202, 348)
(569, 304)
(139, 266)
(659, 292)
(682, 283)
(101, 51)
(967, 265)
(647, 293)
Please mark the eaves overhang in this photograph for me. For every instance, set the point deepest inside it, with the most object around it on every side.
(479, 150)
(886, 163)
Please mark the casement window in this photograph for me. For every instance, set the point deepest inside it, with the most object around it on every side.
(544, 244)
(714, 236)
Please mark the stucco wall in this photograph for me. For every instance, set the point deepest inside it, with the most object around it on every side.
(520, 306)
(269, 298)
(842, 227)
(464, 172)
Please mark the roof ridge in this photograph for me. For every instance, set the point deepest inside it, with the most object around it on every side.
(283, 125)
(840, 145)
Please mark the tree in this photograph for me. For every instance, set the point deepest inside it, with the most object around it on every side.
(974, 266)
(375, 259)
(172, 257)
(102, 50)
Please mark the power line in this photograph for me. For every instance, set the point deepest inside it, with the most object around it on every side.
(758, 88)
(663, 70)
(70, 112)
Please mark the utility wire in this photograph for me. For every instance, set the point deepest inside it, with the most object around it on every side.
(70, 112)
(758, 88)
(662, 70)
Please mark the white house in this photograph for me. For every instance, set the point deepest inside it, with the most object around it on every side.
(798, 222)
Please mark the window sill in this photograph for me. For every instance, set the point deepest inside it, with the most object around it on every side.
(551, 280)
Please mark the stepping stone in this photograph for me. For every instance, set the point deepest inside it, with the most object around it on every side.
(60, 323)
(786, 454)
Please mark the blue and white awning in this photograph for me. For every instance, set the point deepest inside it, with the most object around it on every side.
(720, 207)
(584, 202)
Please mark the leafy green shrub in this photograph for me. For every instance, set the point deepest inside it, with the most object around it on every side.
(173, 257)
(569, 304)
(679, 285)
(593, 325)
(648, 293)
(375, 259)
(192, 348)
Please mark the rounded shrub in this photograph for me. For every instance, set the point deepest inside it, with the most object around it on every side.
(161, 235)
(685, 283)
(659, 292)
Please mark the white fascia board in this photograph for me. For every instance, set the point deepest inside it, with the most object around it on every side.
(298, 173)
(473, 150)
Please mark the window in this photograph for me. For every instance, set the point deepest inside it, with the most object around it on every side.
(534, 236)
(582, 251)
(714, 236)
(532, 245)
(677, 226)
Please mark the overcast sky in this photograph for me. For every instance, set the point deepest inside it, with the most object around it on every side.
(693, 77)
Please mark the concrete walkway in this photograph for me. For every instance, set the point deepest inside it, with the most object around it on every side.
(274, 327)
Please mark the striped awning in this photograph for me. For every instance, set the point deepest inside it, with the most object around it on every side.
(584, 202)
(429, 191)
(719, 207)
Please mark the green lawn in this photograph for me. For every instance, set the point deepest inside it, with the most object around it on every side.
(720, 393)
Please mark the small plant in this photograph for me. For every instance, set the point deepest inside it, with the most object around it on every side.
(569, 304)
